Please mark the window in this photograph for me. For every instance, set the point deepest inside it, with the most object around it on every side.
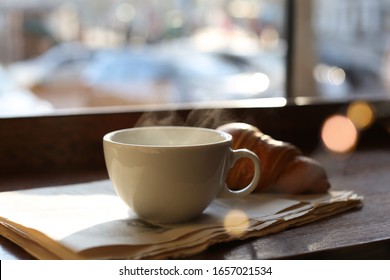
(344, 46)
(83, 53)
(129, 52)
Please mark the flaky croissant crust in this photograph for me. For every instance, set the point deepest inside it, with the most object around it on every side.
(285, 169)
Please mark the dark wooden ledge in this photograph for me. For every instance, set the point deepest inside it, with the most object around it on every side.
(66, 148)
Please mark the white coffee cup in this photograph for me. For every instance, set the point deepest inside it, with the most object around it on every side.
(169, 174)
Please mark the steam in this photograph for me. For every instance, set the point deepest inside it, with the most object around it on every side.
(210, 118)
(160, 118)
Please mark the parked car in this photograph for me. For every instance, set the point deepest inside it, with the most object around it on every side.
(174, 76)
(56, 63)
(212, 76)
(123, 77)
(71, 75)
(55, 75)
(16, 100)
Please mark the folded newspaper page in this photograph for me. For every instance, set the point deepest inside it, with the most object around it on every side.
(89, 221)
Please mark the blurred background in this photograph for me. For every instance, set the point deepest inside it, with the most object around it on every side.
(86, 53)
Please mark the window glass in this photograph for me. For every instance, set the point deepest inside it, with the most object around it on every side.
(352, 47)
(89, 53)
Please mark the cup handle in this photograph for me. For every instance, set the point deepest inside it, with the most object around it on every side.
(237, 154)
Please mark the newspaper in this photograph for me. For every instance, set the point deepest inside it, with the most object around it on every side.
(89, 221)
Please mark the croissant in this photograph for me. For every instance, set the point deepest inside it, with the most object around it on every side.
(284, 167)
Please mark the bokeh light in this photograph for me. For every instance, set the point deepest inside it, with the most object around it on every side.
(125, 12)
(248, 83)
(329, 74)
(361, 114)
(339, 134)
(236, 222)
(269, 38)
(175, 19)
(244, 9)
(336, 76)
(258, 82)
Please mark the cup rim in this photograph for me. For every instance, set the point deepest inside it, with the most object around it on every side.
(225, 137)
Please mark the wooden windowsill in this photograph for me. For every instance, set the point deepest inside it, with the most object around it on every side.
(65, 149)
